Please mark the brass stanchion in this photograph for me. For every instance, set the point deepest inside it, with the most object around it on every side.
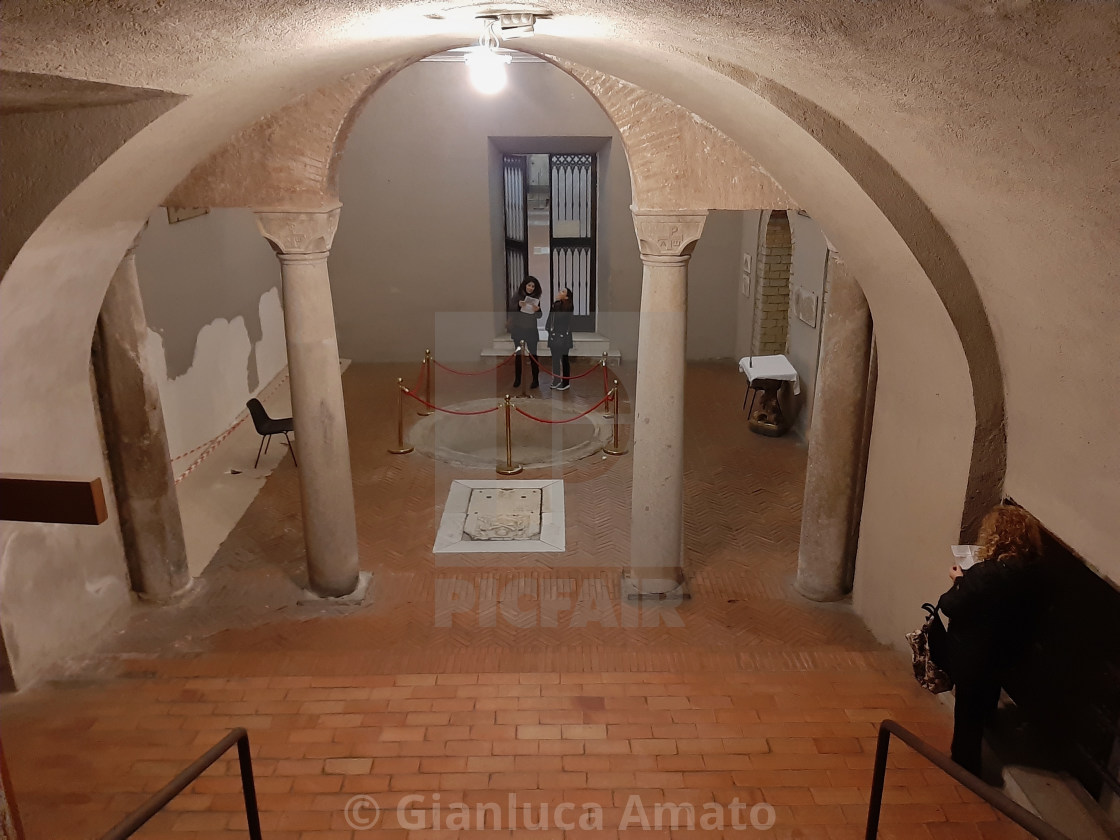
(603, 364)
(614, 448)
(510, 468)
(401, 448)
(424, 410)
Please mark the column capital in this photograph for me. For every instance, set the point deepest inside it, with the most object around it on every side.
(665, 234)
(292, 232)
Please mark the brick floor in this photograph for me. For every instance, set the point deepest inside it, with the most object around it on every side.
(542, 687)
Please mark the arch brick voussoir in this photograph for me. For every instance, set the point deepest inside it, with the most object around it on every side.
(678, 160)
(287, 159)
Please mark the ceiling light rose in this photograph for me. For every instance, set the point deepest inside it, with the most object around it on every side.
(487, 67)
(517, 25)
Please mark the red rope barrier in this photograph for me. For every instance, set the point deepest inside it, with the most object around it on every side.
(449, 410)
(502, 364)
(540, 364)
(560, 422)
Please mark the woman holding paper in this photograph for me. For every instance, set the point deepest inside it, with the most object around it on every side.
(525, 310)
(993, 608)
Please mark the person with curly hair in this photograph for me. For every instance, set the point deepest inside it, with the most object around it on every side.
(993, 608)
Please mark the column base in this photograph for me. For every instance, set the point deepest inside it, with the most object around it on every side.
(654, 588)
(354, 599)
(819, 594)
(187, 590)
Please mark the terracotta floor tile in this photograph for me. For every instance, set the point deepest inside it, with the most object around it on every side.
(755, 695)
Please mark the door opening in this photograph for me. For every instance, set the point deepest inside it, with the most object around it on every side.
(551, 207)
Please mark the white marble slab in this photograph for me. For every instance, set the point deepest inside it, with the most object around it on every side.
(451, 539)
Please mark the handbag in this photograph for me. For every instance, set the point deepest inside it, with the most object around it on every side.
(927, 644)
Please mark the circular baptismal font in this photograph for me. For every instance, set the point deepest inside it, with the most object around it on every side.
(480, 440)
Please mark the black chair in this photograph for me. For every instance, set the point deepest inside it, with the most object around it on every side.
(267, 427)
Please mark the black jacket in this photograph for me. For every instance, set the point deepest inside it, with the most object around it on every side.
(559, 327)
(523, 322)
(993, 609)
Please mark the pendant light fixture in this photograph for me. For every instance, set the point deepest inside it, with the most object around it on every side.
(487, 67)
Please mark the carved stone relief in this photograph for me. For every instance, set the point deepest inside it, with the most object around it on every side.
(668, 234)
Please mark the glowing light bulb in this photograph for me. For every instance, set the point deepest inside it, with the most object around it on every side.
(487, 69)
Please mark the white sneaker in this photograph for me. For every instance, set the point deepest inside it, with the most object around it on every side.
(563, 386)
(555, 385)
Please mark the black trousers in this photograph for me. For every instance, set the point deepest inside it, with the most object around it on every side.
(530, 339)
(561, 362)
(517, 369)
(977, 699)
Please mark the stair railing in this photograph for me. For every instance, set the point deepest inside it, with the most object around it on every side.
(994, 797)
(132, 823)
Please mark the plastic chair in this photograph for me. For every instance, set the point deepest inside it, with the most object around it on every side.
(267, 427)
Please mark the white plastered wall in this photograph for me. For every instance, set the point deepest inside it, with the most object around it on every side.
(215, 321)
(807, 271)
(414, 237)
(810, 258)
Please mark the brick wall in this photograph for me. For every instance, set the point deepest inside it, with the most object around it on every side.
(771, 302)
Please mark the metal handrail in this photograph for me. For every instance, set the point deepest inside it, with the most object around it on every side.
(132, 823)
(998, 800)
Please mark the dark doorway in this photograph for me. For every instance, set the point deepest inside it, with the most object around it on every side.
(562, 191)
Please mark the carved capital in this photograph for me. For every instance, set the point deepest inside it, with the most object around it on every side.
(299, 231)
(663, 234)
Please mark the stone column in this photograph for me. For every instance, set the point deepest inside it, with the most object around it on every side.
(666, 241)
(835, 472)
(302, 241)
(136, 442)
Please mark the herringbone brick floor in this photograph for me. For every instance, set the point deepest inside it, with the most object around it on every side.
(471, 678)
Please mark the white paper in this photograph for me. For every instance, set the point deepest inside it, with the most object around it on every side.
(965, 555)
(528, 303)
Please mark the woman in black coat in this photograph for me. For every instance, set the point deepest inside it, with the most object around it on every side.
(559, 328)
(992, 608)
(525, 310)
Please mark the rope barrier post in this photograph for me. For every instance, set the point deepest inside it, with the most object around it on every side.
(424, 410)
(614, 448)
(510, 468)
(401, 448)
(606, 388)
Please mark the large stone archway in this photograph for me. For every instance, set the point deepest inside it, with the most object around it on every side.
(925, 381)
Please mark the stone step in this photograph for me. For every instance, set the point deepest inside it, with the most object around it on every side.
(584, 346)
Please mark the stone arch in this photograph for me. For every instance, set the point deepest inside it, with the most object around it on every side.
(288, 158)
(919, 288)
(291, 157)
(677, 160)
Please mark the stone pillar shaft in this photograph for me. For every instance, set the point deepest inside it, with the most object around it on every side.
(302, 241)
(136, 442)
(657, 505)
(835, 472)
